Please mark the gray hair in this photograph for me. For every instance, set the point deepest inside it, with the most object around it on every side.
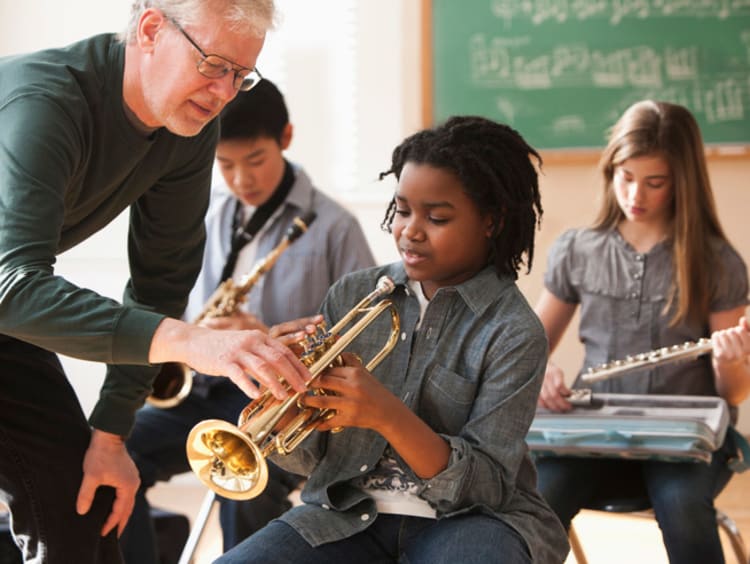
(256, 15)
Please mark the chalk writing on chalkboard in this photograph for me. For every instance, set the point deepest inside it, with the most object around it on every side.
(561, 71)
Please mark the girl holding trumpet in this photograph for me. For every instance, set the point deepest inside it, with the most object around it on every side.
(431, 465)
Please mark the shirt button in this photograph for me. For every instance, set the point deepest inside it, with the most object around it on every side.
(637, 275)
(363, 468)
(639, 257)
(403, 336)
(325, 506)
(365, 516)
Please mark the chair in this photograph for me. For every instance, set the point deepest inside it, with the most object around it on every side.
(640, 507)
(196, 532)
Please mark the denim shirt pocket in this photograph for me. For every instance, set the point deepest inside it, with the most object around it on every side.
(446, 399)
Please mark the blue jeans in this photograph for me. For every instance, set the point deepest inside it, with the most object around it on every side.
(157, 445)
(468, 539)
(43, 437)
(681, 494)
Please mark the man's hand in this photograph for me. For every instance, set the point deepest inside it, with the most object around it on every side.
(107, 463)
(245, 357)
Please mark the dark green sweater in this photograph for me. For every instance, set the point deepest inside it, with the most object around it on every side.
(70, 162)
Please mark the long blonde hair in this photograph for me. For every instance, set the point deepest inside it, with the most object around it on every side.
(670, 130)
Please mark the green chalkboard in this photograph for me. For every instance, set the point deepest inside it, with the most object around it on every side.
(562, 71)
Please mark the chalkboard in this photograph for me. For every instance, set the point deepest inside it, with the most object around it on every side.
(562, 71)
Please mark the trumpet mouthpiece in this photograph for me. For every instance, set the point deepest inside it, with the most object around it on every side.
(385, 285)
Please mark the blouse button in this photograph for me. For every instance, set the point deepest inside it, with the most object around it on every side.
(325, 506)
(363, 468)
(403, 336)
(365, 516)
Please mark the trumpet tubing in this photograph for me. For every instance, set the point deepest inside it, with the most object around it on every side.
(231, 460)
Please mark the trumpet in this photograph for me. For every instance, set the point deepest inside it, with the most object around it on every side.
(175, 379)
(231, 460)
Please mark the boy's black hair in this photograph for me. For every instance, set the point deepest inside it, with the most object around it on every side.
(492, 162)
(260, 112)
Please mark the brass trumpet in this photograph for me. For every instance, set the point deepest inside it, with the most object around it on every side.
(175, 379)
(231, 460)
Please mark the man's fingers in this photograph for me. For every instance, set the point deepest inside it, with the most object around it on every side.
(121, 510)
(240, 378)
(85, 495)
(283, 362)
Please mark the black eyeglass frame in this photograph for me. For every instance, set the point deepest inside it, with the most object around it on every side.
(243, 82)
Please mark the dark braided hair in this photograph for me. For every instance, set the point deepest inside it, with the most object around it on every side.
(492, 162)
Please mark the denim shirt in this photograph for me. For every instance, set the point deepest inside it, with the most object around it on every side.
(623, 294)
(473, 373)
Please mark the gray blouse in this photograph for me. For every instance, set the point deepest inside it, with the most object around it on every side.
(623, 294)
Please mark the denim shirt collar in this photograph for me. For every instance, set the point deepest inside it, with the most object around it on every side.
(479, 292)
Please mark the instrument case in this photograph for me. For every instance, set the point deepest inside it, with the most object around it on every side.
(661, 427)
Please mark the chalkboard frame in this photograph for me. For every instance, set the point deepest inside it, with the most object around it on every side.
(572, 155)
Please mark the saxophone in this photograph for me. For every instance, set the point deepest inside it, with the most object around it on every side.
(175, 379)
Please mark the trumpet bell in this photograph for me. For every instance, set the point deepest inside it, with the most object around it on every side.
(227, 459)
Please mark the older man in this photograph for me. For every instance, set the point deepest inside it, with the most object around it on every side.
(89, 130)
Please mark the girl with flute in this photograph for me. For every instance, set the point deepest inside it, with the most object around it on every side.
(654, 270)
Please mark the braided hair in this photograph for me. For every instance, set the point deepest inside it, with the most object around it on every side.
(492, 162)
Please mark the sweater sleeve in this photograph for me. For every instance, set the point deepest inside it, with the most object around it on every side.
(40, 150)
(44, 153)
(165, 249)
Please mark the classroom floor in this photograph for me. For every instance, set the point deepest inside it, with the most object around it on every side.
(605, 538)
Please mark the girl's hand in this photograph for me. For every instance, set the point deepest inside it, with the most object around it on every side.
(356, 396)
(554, 391)
(290, 333)
(732, 346)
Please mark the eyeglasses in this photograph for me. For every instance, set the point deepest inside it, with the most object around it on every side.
(216, 66)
